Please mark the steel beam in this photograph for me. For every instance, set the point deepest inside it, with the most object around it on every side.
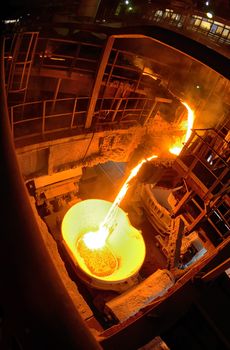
(216, 271)
(101, 70)
(98, 81)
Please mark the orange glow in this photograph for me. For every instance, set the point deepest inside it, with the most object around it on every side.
(100, 262)
(123, 244)
(97, 239)
(177, 147)
(101, 239)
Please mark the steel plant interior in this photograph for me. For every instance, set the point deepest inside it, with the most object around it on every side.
(72, 109)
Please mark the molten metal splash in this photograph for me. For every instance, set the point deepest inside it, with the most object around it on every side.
(96, 240)
(177, 147)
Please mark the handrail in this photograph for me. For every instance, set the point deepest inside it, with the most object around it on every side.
(218, 42)
(32, 292)
(177, 20)
(64, 114)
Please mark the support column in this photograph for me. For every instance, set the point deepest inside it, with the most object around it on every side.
(101, 70)
(98, 81)
(56, 94)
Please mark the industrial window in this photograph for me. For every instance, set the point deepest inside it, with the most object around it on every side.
(168, 13)
(196, 20)
(225, 32)
(176, 17)
(213, 28)
(205, 24)
(158, 13)
(220, 27)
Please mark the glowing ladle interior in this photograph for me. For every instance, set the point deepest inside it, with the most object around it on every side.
(125, 242)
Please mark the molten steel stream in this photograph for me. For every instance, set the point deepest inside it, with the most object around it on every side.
(177, 147)
(95, 240)
(92, 246)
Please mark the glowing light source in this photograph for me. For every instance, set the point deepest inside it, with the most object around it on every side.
(96, 240)
(7, 21)
(100, 262)
(57, 59)
(190, 121)
(150, 75)
(209, 14)
(177, 147)
(175, 150)
(125, 242)
(93, 247)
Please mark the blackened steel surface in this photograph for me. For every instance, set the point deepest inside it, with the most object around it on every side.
(35, 302)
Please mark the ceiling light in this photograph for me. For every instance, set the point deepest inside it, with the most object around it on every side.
(209, 14)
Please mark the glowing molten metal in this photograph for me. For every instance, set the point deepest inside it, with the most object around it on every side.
(177, 147)
(118, 260)
(96, 240)
(102, 251)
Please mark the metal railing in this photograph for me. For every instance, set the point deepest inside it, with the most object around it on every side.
(75, 56)
(62, 53)
(195, 25)
(190, 22)
(50, 116)
(21, 61)
(207, 157)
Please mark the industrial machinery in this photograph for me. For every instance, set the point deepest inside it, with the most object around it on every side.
(124, 140)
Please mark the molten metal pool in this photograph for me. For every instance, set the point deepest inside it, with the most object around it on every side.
(125, 247)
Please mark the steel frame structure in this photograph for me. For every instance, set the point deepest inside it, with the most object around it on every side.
(37, 304)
